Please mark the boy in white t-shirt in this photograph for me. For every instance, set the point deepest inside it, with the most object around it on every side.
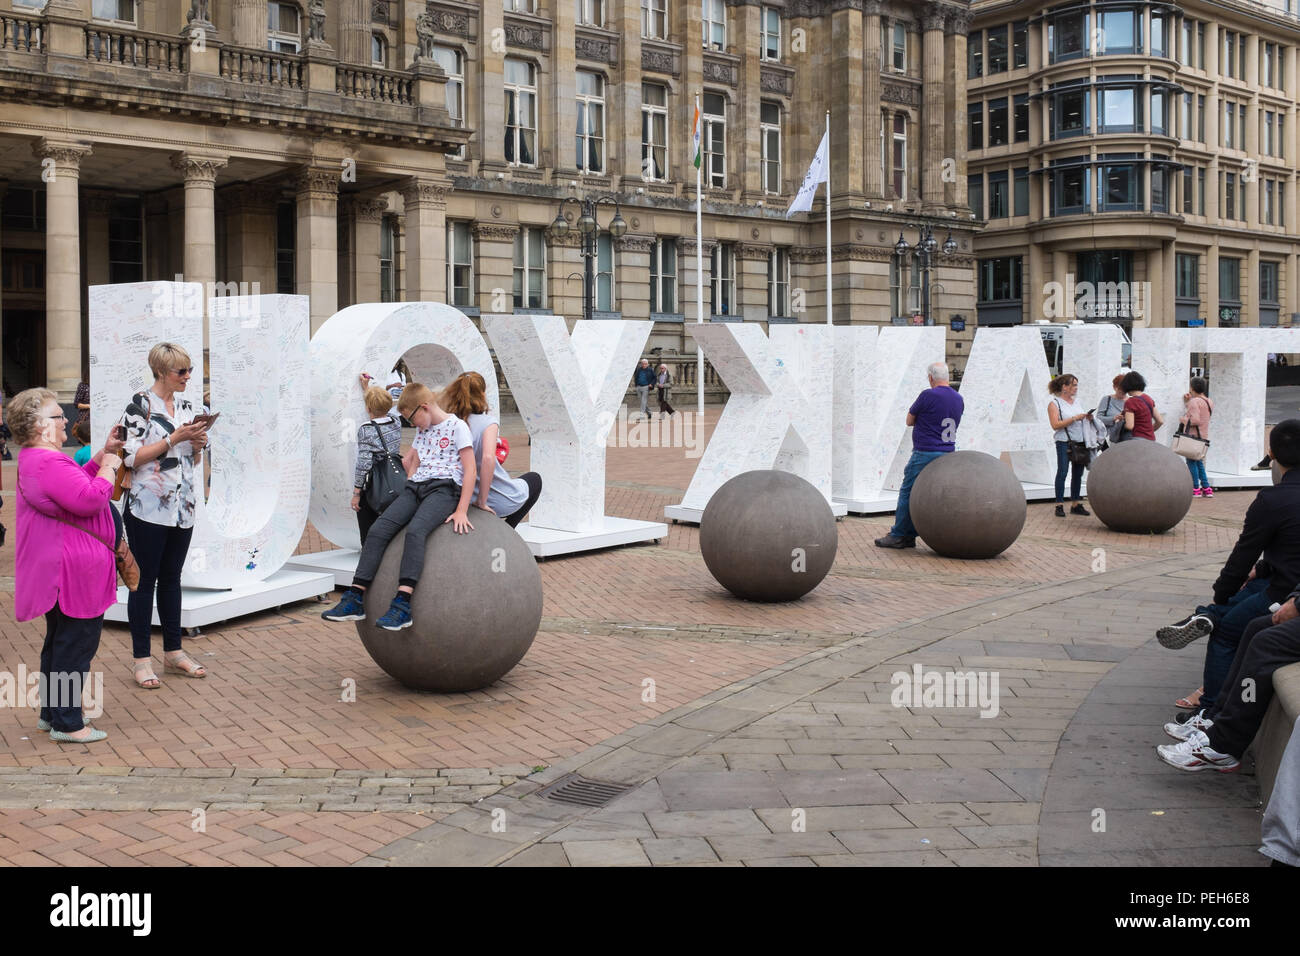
(440, 483)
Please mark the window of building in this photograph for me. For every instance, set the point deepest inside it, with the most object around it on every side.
(590, 138)
(1229, 124)
(521, 112)
(1189, 192)
(897, 282)
(126, 240)
(1200, 118)
(1281, 136)
(1281, 203)
(1159, 32)
(1229, 279)
(530, 268)
(1159, 188)
(520, 6)
(900, 155)
(998, 49)
(387, 244)
(975, 54)
(975, 194)
(1119, 110)
(770, 133)
(722, 284)
(1267, 53)
(1268, 287)
(714, 120)
(999, 197)
(1200, 46)
(1186, 41)
(778, 282)
(715, 24)
(1266, 140)
(378, 50)
(120, 11)
(654, 19)
(1000, 279)
(770, 40)
(1266, 202)
(975, 126)
(654, 132)
(460, 264)
(1067, 35)
(452, 62)
(1241, 56)
(1019, 44)
(1200, 191)
(1119, 185)
(1186, 281)
(286, 239)
(283, 32)
(1228, 58)
(1187, 107)
(1119, 32)
(1020, 198)
(1159, 122)
(663, 276)
(998, 122)
(900, 48)
(1069, 113)
(1229, 196)
(591, 13)
(1021, 119)
(1071, 186)
(605, 297)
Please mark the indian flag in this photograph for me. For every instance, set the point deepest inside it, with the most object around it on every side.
(695, 136)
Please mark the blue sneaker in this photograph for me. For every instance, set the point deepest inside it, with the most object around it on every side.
(398, 616)
(350, 608)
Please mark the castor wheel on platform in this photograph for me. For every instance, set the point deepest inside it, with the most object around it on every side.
(192, 632)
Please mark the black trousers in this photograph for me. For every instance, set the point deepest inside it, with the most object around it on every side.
(160, 551)
(70, 646)
(1240, 709)
(366, 517)
(534, 482)
(663, 402)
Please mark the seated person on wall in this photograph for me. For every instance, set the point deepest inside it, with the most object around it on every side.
(1244, 589)
(440, 483)
(934, 418)
(1216, 737)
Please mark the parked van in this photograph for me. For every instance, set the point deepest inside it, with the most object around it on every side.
(1054, 342)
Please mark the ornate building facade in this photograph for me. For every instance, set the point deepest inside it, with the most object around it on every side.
(367, 150)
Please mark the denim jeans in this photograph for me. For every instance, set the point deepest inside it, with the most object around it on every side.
(1199, 479)
(1230, 622)
(903, 527)
(1076, 473)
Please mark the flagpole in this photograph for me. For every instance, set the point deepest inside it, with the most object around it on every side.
(828, 218)
(699, 274)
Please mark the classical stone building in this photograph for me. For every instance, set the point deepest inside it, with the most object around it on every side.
(1141, 155)
(366, 150)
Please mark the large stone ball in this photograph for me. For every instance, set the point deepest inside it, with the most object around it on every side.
(1140, 487)
(475, 610)
(968, 505)
(768, 536)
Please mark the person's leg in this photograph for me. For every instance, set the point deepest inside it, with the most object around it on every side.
(75, 642)
(384, 530)
(534, 482)
(47, 660)
(440, 500)
(1243, 707)
(1062, 463)
(1231, 623)
(1281, 826)
(147, 544)
(1076, 480)
(366, 518)
(1232, 683)
(643, 393)
(1201, 474)
(903, 527)
(176, 546)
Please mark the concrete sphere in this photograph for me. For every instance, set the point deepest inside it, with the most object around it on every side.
(1140, 487)
(768, 536)
(475, 610)
(968, 505)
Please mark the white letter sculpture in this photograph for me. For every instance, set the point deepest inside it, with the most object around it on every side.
(1094, 354)
(781, 390)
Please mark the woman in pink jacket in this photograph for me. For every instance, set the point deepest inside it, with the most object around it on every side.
(64, 565)
(1196, 422)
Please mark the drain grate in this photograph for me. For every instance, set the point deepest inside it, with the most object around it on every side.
(581, 792)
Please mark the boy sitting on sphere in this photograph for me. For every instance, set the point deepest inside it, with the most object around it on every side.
(440, 482)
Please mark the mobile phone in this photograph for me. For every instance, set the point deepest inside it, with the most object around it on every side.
(207, 421)
(1090, 411)
(119, 432)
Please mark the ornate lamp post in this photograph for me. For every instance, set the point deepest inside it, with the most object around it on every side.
(923, 253)
(589, 230)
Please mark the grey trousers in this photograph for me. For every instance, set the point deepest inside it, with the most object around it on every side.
(420, 509)
(644, 392)
(1281, 826)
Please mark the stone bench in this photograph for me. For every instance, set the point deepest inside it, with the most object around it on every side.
(1279, 722)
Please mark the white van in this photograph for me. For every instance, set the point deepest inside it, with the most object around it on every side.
(1054, 339)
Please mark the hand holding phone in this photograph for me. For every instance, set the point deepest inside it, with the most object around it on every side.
(206, 420)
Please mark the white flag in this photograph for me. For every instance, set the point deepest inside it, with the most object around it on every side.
(817, 174)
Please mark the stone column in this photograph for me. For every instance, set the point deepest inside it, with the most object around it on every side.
(633, 275)
(1151, 305)
(250, 24)
(200, 221)
(848, 108)
(1035, 282)
(316, 246)
(1250, 286)
(425, 205)
(490, 120)
(751, 281)
(686, 282)
(954, 188)
(354, 32)
(748, 149)
(1210, 303)
(251, 236)
(367, 218)
(932, 116)
(60, 169)
(625, 96)
(1164, 297)
(494, 243)
(873, 174)
(99, 205)
(556, 132)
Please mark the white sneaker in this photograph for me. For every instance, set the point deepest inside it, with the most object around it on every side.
(1197, 722)
(1195, 753)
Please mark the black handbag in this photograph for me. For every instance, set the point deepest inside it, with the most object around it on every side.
(1079, 453)
(385, 479)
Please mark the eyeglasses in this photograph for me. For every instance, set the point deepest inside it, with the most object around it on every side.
(183, 371)
(57, 418)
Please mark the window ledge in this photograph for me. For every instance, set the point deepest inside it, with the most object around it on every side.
(673, 317)
(598, 314)
(533, 312)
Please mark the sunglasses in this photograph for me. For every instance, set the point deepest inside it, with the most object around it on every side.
(183, 371)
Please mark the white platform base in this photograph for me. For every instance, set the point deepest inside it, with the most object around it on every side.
(341, 563)
(683, 515)
(201, 608)
(547, 542)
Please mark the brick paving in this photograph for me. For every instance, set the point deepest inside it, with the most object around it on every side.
(272, 706)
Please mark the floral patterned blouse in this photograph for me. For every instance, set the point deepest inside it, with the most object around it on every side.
(163, 490)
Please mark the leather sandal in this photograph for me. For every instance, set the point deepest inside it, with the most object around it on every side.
(148, 682)
(184, 664)
(1191, 701)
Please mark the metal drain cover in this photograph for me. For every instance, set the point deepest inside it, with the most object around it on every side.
(581, 792)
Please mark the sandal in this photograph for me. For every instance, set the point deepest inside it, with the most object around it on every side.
(1191, 701)
(150, 682)
(184, 664)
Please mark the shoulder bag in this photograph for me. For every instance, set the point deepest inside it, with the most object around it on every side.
(1191, 447)
(1078, 451)
(385, 479)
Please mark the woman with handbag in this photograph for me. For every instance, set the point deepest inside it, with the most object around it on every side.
(1196, 415)
(64, 561)
(1110, 411)
(162, 448)
(1067, 420)
(379, 448)
(664, 382)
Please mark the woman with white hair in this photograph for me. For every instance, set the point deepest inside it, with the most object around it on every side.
(664, 382)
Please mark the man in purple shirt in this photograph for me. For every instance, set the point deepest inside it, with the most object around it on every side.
(934, 418)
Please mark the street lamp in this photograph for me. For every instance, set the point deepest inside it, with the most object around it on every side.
(588, 230)
(923, 253)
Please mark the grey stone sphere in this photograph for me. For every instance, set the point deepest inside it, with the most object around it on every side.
(967, 505)
(768, 536)
(475, 610)
(1139, 487)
